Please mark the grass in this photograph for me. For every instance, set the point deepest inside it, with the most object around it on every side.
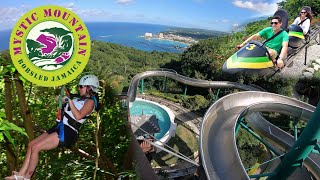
(184, 142)
(317, 75)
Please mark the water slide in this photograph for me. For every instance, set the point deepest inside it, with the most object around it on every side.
(220, 157)
(142, 166)
(219, 154)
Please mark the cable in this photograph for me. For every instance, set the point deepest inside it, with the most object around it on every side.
(175, 153)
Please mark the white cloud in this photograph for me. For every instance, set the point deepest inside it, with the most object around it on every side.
(124, 2)
(89, 12)
(225, 21)
(9, 15)
(69, 5)
(262, 8)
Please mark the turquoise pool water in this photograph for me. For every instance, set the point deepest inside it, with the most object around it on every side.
(149, 108)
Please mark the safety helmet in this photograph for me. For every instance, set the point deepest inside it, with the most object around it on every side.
(90, 80)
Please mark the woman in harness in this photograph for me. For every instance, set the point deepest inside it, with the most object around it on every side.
(75, 113)
(304, 19)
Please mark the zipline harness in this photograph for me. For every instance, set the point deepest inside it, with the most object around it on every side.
(75, 125)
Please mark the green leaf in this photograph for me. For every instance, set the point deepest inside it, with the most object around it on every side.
(1, 137)
(13, 69)
(22, 79)
(7, 134)
(2, 115)
(6, 125)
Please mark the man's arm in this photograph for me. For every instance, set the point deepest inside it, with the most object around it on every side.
(283, 54)
(253, 37)
(284, 50)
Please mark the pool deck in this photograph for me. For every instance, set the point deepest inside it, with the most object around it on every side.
(193, 121)
(182, 114)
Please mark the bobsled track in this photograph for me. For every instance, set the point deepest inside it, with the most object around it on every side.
(219, 155)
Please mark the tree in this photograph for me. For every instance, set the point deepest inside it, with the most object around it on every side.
(294, 6)
(6, 125)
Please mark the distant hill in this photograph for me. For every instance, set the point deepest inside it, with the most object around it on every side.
(194, 32)
(242, 26)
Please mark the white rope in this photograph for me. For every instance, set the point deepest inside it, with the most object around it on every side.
(175, 153)
(160, 141)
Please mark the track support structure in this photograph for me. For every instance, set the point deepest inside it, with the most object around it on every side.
(304, 145)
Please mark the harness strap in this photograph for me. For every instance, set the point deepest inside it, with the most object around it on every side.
(303, 21)
(75, 124)
(61, 109)
(61, 131)
(272, 37)
(95, 102)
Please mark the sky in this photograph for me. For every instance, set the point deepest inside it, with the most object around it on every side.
(222, 15)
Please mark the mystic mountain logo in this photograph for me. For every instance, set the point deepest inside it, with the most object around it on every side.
(50, 46)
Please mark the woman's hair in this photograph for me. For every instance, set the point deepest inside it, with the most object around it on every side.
(308, 13)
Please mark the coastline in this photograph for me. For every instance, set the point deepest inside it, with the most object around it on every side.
(163, 39)
(170, 37)
(125, 34)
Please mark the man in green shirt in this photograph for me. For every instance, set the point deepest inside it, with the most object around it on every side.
(277, 45)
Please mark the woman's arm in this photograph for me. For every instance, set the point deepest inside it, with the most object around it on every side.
(296, 21)
(306, 27)
(85, 110)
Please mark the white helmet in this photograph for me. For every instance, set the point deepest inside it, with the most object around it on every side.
(90, 80)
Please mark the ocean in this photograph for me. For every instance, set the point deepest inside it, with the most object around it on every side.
(126, 34)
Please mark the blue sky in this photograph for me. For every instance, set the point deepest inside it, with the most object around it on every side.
(222, 15)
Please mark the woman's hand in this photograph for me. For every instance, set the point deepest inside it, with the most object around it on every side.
(65, 99)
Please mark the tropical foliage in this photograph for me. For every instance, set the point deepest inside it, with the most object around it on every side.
(101, 150)
(115, 65)
(294, 6)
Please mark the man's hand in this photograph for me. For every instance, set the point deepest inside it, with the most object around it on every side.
(239, 46)
(280, 63)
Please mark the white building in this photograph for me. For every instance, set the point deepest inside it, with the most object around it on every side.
(161, 35)
(148, 35)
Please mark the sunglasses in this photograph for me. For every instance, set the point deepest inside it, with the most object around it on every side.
(274, 23)
(303, 12)
(81, 86)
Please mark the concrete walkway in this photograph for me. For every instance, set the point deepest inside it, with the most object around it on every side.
(296, 69)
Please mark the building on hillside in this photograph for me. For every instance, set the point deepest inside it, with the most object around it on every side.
(161, 35)
(148, 35)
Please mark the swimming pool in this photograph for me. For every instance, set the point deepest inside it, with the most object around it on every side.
(165, 117)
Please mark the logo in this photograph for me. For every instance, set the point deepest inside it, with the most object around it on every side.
(50, 46)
